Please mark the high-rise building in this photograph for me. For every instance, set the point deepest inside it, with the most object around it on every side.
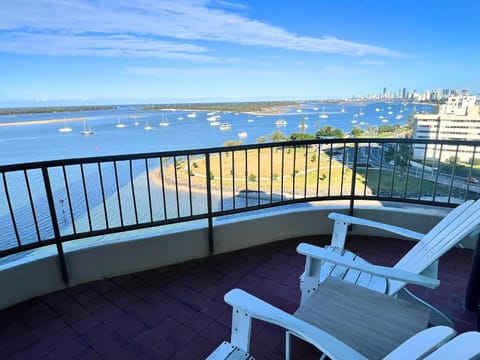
(458, 119)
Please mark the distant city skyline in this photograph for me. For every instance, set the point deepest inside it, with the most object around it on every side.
(87, 52)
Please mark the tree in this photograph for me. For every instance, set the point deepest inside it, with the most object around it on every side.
(400, 154)
(357, 132)
(229, 143)
(261, 139)
(329, 131)
(277, 136)
(301, 136)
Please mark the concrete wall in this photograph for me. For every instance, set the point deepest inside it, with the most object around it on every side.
(41, 276)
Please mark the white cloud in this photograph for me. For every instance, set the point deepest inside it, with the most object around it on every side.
(147, 24)
(204, 72)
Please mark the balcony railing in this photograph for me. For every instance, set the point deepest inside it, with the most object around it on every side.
(49, 203)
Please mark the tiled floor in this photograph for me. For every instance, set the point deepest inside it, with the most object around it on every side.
(177, 312)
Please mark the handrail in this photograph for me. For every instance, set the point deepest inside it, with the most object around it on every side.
(78, 198)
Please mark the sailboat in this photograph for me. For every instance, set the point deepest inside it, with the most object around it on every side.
(163, 122)
(120, 124)
(323, 116)
(65, 128)
(147, 126)
(86, 131)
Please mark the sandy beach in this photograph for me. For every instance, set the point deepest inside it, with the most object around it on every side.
(40, 122)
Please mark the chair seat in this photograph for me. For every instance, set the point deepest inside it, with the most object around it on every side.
(376, 283)
(372, 323)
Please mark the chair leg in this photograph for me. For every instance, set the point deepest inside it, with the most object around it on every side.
(287, 345)
(436, 316)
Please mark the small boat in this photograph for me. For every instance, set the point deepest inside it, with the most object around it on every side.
(361, 112)
(147, 126)
(214, 123)
(385, 120)
(342, 110)
(302, 126)
(390, 113)
(398, 117)
(192, 115)
(377, 109)
(250, 120)
(225, 126)
(315, 108)
(65, 128)
(323, 115)
(136, 123)
(120, 124)
(281, 122)
(242, 135)
(354, 121)
(213, 117)
(180, 118)
(299, 110)
(86, 131)
(163, 122)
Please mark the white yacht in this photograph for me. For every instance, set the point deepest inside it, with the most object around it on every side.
(323, 115)
(121, 125)
(192, 115)
(147, 126)
(242, 135)
(65, 128)
(86, 131)
(281, 122)
(164, 122)
(225, 126)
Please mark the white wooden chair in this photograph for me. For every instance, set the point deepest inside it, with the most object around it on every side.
(433, 342)
(422, 259)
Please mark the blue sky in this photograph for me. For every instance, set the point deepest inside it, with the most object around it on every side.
(58, 52)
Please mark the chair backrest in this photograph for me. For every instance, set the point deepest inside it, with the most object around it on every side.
(460, 222)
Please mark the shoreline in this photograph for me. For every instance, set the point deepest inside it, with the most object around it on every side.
(42, 122)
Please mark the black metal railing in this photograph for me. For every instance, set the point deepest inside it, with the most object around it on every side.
(49, 203)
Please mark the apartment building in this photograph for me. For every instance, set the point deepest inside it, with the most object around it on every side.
(457, 119)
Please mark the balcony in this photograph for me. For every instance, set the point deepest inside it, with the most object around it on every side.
(125, 257)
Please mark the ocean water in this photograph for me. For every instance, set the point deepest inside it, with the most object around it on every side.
(41, 142)
(27, 143)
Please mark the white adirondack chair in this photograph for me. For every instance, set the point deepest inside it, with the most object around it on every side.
(422, 259)
(432, 342)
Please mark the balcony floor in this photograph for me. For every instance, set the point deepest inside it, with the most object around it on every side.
(178, 312)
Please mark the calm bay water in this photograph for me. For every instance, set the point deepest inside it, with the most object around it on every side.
(19, 144)
(41, 142)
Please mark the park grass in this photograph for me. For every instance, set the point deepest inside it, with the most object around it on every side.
(300, 175)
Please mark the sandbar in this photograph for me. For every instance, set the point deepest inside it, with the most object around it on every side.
(40, 122)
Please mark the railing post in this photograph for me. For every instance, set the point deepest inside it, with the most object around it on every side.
(354, 178)
(56, 228)
(209, 203)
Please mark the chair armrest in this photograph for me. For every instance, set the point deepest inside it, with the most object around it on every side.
(422, 343)
(375, 224)
(259, 309)
(383, 271)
